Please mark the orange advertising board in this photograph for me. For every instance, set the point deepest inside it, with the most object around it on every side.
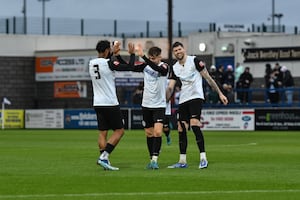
(72, 89)
(44, 64)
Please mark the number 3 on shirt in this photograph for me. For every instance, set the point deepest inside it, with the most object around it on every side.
(97, 72)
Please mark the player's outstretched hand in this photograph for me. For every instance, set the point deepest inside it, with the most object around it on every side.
(139, 50)
(131, 48)
(116, 48)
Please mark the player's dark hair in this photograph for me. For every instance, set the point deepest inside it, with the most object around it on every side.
(102, 46)
(177, 44)
(154, 51)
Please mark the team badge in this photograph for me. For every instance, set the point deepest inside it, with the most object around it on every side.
(116, 63)
(165, 66)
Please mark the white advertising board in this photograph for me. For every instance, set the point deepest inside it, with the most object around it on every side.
(224, 119)
(44, 118)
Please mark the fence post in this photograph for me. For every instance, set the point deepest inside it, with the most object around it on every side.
(115, 28)
(212, 27)
(14, 25)
(258, 29)
(82, 27)
(179, 29)
(25, 25)
(7, 25)
(123, 37)
(147, 28)
(48, 26)
(160, 34)
(264, 28)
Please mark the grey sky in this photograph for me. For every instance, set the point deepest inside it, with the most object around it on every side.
(219, 11)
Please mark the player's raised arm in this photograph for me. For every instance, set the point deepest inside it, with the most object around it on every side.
(154, 61)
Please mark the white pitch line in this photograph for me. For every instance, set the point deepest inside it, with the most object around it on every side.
(237, 145)
(145, 193)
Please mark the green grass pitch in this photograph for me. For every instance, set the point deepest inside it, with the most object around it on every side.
(61, 164)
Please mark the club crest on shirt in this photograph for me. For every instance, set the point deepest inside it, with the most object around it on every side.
(201, 64)
(116, 62)
(165, 66)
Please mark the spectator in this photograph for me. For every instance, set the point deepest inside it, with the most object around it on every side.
(268, 72)
(228, 84)
(212, 95)
(138, 94)
(244, 83)
(229, 76)
(239, 69)
(278, 78)
(220, 75)
(272, 85)
(288, 84)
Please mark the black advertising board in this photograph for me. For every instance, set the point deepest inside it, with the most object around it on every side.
(271, 54)
(136, 119)
(277, 119)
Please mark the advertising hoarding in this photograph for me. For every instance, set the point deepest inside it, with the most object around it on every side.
(277, 119)
(232, 119)
(44, 118)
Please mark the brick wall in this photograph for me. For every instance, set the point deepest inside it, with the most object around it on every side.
(45, 97)
(17, 83)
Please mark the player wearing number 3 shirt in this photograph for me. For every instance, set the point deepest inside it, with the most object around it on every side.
(105, 100)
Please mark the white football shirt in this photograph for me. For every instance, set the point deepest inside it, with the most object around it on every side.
(154, 95)
(103, 81)
(190, 78)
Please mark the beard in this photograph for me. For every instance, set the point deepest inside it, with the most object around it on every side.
(179, 56)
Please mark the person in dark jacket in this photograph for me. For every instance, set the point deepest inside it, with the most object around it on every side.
(244, 83)
(288, 84)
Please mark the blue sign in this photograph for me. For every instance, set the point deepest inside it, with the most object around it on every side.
(80, 119)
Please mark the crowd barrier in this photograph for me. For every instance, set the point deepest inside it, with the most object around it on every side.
(259, 98)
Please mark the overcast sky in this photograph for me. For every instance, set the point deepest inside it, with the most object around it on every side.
(219, 11)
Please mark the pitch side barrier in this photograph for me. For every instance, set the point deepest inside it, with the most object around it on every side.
(259, 97)
(221, 119)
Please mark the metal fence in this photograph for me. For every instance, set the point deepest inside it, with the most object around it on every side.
(259, 97)
(116, 28)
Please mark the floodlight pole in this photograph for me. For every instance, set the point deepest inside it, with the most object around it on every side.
(43, 18)
(273, 16)
(24, 11)
(170, 29)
